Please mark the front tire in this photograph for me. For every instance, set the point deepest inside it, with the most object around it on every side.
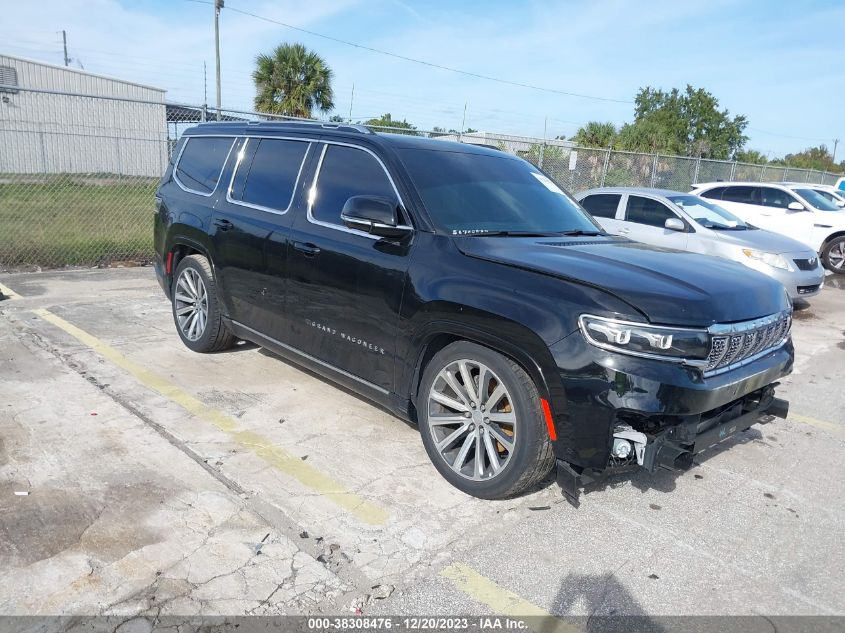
(196, 307)
(833, 255)
(482, 422)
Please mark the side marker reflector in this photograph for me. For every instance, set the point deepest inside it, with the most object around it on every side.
(550, 424)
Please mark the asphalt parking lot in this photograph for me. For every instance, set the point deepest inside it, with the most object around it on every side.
(137, 477)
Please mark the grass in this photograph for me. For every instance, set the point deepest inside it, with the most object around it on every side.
(63, 220)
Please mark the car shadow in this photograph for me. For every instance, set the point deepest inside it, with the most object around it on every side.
(611, 606)
(661, 480)
(334, 385)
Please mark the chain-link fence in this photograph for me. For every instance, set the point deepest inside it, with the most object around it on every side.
(78, 172)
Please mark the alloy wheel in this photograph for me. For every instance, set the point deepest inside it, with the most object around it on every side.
(836, 256)
(472, 420)
(191, 304)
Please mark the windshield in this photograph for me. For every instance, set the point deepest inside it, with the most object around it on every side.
(477, 194)
(708, 214)
(834, 198)
(816, 200)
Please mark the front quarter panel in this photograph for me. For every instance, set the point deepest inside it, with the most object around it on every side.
(518, 312)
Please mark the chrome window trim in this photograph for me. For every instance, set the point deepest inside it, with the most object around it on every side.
(222, 167)
(314, 359)
(313, 189)
(259, 207)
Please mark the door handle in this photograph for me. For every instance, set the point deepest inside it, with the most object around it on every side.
(624, 230)
(307, 248)
(223, 224)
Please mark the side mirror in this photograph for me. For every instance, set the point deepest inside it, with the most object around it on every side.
(840, 203)
(375, 215)
(674, 224)
(795, 206)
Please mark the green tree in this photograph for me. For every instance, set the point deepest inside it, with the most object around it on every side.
(813, 158)
(399, 127)
(688, 122)
(751, 156)
(292, 81)
(595, 134)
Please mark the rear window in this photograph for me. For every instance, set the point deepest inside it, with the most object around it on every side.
(267, 175)
(202, 161)
(746, 195)
(714, 194)
(602, 205)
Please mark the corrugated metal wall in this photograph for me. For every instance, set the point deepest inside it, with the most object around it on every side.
(43, 133)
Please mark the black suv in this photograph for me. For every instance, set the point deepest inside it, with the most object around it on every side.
(460, 287)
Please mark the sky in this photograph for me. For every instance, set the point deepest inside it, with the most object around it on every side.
(782, 64)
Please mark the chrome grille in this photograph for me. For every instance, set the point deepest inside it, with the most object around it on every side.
(734, 344)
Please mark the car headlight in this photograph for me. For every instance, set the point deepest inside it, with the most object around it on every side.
(772, 259)
(640, 339)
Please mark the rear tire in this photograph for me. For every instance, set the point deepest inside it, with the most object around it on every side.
(491, 440)
(196, 307)
(833, 255)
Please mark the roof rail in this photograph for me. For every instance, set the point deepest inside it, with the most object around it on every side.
(361, 129)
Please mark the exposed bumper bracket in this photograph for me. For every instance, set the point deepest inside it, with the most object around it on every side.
(569, 481)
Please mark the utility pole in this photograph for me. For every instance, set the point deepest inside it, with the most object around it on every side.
(351, 101)
(463, 124)
(64, 43)
(835, 143)
(218, 4)
(204, 84)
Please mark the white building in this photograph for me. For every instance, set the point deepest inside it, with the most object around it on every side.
(118, 127)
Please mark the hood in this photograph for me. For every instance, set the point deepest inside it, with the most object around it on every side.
(764, 241)
(668, 287)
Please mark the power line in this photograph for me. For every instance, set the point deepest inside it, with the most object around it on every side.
(420, 61)
(798, 138)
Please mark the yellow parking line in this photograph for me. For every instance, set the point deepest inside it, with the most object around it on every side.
(821, 424)
(502, 601)
(11, 294)
(276, 456)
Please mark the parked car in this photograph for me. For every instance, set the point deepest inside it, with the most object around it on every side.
(840, 184)
(791, 210)
(459, 287)
(837, 196)
(689, 223)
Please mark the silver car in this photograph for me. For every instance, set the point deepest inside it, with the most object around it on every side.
(689, 223)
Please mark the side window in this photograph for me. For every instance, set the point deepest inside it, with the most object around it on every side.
(647, 211)
(714, 194)
(346, 172)
(771, 197)
(746, 195)
(202, 161)
(268, 173)
(602, 205)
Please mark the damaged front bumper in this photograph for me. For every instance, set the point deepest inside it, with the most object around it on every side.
(675, 445)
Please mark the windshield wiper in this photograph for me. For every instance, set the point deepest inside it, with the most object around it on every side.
(572, 233)
(722, 227)
(581, 232)
(511, 234)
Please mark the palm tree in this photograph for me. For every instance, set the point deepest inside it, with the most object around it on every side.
(595, 134)
(293, 81)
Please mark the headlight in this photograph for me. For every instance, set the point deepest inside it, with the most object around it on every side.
(639, 339)
(772, 259)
